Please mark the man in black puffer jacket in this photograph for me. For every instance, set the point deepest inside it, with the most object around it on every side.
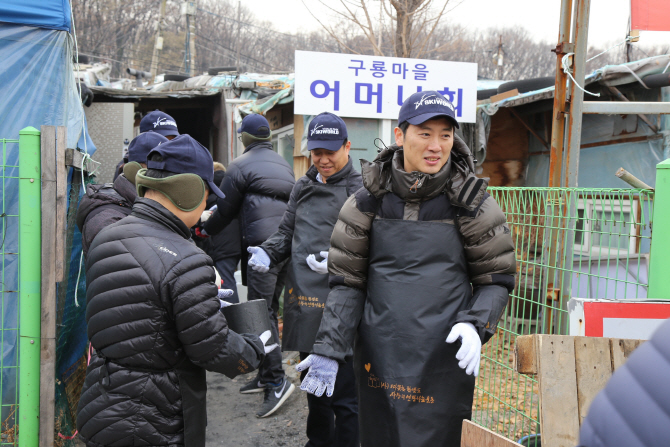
(153, 313)
(104, 204)
(257, 186)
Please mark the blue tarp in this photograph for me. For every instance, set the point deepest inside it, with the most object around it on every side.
(37, 88)
(50, 14)
(37, 85)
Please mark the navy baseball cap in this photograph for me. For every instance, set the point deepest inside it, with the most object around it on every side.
(142, 144)
(255, 125)
(423, 106)
(159, 122)
(184, 155)
(326, 131)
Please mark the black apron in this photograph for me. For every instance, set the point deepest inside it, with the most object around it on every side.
(316, 214)
(411, 391)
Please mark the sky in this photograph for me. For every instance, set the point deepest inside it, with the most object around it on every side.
(607, 26)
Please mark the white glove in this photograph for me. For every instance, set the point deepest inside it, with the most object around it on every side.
(265, 336)
(222, 295)
(321, 375)
(318, 267)
(205, 215)
(469, 355)
(259, 261)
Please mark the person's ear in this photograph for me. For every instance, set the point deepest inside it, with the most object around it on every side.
(399, 136)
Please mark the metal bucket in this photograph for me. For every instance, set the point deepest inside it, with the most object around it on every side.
(250, 317)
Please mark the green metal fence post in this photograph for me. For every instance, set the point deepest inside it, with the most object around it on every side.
(30, 231)
(659, 258)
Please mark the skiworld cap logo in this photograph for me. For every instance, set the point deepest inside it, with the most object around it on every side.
(423, 106)
(320, 130)
(164, 122)
(426, 100)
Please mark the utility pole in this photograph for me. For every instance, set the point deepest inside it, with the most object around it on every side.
(239, 26)
(192, 41)
(381, 28)
(158, 45)
(188, 9)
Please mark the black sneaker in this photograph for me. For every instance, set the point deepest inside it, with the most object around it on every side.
(275, 396)
(253, 386)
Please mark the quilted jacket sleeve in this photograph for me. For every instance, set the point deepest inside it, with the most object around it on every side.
(202, 328)
(348, 267)
(489, 251)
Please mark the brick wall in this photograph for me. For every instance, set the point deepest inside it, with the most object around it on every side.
(109, 124)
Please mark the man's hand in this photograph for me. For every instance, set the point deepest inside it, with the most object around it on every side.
(259, 261)
(321, 375)
(265, 336)
(469, 355)
(318, 267)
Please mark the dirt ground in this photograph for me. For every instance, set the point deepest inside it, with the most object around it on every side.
(231, 416)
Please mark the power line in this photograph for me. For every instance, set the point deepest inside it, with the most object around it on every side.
(247, 24)
(229, 49)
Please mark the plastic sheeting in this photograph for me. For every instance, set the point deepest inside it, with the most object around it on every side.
(37, 88)
(37, 84)
(50, 14)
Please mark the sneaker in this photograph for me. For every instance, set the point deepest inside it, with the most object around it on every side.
(275, 396)
(253, 386)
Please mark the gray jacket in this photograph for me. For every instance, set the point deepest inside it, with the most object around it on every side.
(634, 408)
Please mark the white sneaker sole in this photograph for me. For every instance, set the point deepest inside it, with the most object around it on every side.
(281, 401)
(256, 390)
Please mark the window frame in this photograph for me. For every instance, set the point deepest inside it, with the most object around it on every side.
(590, 207)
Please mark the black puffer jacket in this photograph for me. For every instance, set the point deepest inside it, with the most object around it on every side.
(634, 408)
(102, 205)
(257, 186)
(226, 244)
(154, 321)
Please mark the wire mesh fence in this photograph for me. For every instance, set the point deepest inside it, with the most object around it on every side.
(570, 243)
(9, 291)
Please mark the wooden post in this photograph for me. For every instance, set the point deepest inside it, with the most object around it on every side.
(54, 183)
(473, 435)
(571, 371)
(300, 163)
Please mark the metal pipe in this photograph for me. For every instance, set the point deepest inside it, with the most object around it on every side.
(615, 91)
(581, 33)
(625, 108)
(30, 270)
(631, 179)
(558, 117)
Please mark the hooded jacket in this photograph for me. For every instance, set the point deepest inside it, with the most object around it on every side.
(257, 187)
(154, 321)
(453, 194)
(102, 205)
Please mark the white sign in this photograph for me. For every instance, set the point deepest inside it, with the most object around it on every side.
(635, 319)
(352, 85)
